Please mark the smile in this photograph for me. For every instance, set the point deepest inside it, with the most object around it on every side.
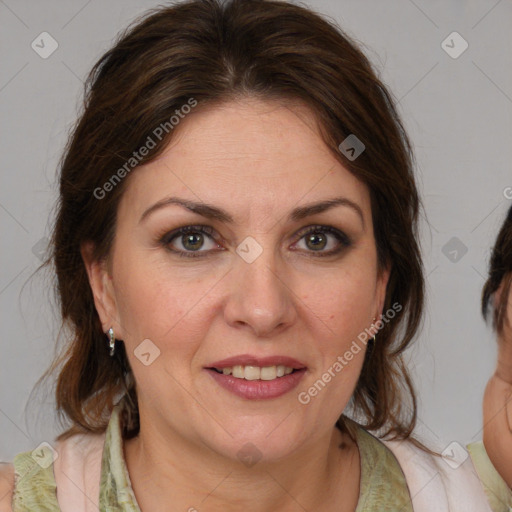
(255, 372)
(257, 383)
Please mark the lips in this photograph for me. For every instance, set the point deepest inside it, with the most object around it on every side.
(257, 378)
(261, 362)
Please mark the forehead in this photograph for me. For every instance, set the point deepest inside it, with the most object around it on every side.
(248, 155)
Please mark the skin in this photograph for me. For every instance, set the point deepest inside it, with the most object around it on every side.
(497, 436)
(258, 161)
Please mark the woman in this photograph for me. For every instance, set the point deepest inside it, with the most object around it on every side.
(238, 214)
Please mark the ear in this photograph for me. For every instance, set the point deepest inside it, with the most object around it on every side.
(382, 286)
(496, 296)
(504, 288)
(102, 286)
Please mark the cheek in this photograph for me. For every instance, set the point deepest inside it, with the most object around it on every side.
(341, 309)
(344, 303)
(165, 303)
(157, 306)
(149, 301)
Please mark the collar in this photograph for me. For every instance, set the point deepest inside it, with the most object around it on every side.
(382, 487)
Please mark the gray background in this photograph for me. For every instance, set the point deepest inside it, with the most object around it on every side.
(457, 112)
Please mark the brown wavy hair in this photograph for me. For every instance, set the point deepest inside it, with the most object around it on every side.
(500, 273)
(214, 52)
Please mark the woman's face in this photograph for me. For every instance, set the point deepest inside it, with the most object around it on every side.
(246, 286)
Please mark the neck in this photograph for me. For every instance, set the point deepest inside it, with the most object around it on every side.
(194, 478)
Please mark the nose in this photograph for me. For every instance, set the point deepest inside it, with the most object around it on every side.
(260, 298)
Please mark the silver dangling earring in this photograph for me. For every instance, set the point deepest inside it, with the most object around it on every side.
(112, 341)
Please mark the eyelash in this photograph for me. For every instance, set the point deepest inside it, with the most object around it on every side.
(168, 238)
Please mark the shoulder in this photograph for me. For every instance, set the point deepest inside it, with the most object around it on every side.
(448, 481)
(32, 482)
(6, 486)
(77, 470)
(382, 483)
(72, 466)
(497, 490)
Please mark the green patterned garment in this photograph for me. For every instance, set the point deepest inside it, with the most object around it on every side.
(382, 488)
(498, 493)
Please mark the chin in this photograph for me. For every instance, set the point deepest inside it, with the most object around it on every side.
(266, 439)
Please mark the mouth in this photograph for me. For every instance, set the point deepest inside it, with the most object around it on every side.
(257, 378)
(251, 372)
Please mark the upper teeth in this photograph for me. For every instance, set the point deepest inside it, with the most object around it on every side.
(256, 372)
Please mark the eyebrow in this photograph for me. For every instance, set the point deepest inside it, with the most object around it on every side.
(213, 212)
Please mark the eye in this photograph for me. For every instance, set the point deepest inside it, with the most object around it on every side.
(198, 241)
(188, 240)
(318, 238)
